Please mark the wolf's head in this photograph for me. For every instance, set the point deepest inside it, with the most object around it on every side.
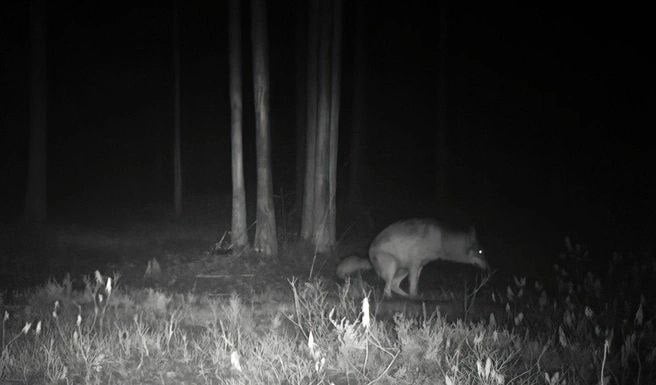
(477, 258)
(475, 252)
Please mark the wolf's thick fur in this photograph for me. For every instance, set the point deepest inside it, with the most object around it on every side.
(403, 248)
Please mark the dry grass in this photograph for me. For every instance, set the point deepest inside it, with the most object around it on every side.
(106, 334)
(580, 326)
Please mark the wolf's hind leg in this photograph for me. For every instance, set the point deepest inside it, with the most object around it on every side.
(415, 271)
(396, 282)
(386, 268)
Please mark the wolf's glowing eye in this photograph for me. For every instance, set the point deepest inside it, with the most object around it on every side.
(480, 252)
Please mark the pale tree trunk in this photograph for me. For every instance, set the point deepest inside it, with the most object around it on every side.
(322, 187)
(359, 113)
(324, 53)
(266, 241)
(177, 158)
(322, 142)
(442, 156)
(239, 235)
(307, 220)
(36, 192)
(335, 88)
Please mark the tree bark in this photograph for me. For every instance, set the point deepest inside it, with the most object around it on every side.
(265, 233)
(322, 173)
(308, 218)
(301, 102)
(36, 192)
(335, 90)
(177, 146)
(239, 235)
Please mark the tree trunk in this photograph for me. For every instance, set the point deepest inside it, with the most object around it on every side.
(177, 158)
(301, 103)
(308, 218)
(442, 155)
(36, 192)
(359, 113)
(239, 235)
(335, 89)
(266, 241)
(322, 151)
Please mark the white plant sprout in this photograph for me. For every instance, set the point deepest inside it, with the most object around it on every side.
(55, 309)
(603, 380)
(510, 294)
(562, 338)
(26, 328)
(234, 361)
(317, 354)
(492, 322)
(488, 372)
(519, 318)
(365, 313)
(357, 334)
(554, 379)
(99, 290)
(349, 333)
(55, 316)
(520, 283)
(478, 339)
(638, 316)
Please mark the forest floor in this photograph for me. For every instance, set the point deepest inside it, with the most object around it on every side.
(191, 258)
(186, 309)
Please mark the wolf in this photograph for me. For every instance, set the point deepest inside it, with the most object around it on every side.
(403, 248)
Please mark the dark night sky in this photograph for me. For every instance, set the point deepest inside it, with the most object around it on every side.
(531, 89)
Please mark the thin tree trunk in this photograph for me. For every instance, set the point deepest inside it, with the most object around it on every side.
(239, 235)
(308, 218)
(359, 113)
(322, 173)
(177, 157)
(335, 89)
(36, 192)
(265, 233)
(442, 156)
(301, 103)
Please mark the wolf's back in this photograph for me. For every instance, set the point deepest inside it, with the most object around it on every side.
(409, 242)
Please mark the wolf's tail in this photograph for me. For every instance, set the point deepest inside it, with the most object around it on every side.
(352, 264)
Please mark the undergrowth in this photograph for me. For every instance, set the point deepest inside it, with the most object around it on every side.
(581, 327)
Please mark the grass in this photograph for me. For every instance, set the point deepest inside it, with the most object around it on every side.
(587, 324)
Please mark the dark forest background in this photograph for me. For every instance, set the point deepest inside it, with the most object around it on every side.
(548, 131)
